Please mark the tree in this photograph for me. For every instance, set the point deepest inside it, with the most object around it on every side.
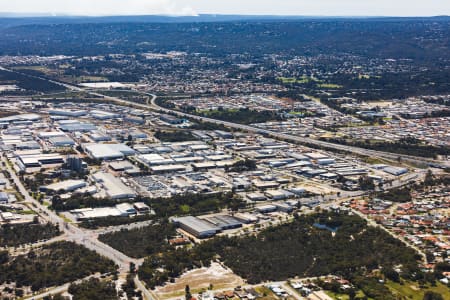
(429, 179)
(429, 295)
(188, 295)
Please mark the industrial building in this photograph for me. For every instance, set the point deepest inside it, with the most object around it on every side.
(224, 222)
(197, 227)
(108, 151)
(171, 119)
(73, 126)
(35, 159)
(67, 112)
(61, 141)
(113, 186)
(396, 171)
(66, 186)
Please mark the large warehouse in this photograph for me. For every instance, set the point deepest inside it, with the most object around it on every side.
(197, 227)
(113, 186)
(108, 151)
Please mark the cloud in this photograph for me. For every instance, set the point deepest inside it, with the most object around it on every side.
(98, 7)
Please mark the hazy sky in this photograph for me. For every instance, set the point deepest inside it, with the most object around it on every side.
(192, 7)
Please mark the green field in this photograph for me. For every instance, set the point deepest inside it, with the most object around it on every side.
(338, 296)
(412, 291)
(303, 79)
(330, 86)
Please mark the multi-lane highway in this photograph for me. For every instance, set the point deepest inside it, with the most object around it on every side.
(152, 105)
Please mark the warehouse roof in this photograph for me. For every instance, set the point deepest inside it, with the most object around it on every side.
(197, 224)
(105, 151)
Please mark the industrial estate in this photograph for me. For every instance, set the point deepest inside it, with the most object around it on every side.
(182, 172)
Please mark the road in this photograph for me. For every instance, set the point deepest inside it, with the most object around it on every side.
(89, 239)
(75, 234)
(151, 104)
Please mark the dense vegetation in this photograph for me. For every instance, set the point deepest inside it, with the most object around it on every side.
(93, 289)
(295, 249)
(174, 136)
(143, 241)
(52, 265)
(79, 201)
(15, 235)
(400, 195)
(194, 204)
(31, 84)
(401, 147)
(242, 166)
(368, 37)
(242, 116)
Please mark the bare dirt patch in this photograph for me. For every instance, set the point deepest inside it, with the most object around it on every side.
(217, 275)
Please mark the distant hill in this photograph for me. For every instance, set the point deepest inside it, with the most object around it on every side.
(398, 38)
(11, 19)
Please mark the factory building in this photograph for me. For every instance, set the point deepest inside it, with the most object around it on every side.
(108, 151)
(126, 208)
(66, 186)
(141, 207)
(396, 171)
(224, 222)
(67, 112)
(4, 198)
(197, 227)
(61, 141)
(113, 186)
(264, 209)
(73, 126)
(36, 159)
(171, 119)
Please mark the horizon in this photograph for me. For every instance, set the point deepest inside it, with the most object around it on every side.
(306, 8)
(63, 15)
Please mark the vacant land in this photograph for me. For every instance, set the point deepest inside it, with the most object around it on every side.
(218, 276)
(411, 290)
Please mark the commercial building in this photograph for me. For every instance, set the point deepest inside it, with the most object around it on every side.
(171, 119)
(197, 227)
(61, 141)
(108, 151)
(35, 159)
(66, 186)
(4, 198)
(396, 171)
(67, 112)
(141, 207)
(113, 186)
(224, 222)
(126, 208)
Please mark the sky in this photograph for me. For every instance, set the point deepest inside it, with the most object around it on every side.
(247, 7)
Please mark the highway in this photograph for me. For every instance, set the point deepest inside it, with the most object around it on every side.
(89, 238)
(151, 104)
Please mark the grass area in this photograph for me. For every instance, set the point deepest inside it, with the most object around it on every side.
(329, 86)
(303, 79)
(208, 112)
(363, 76)
(64, 95)
(41, 69)
(66, 219)
(339, 296)
(411, 290)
